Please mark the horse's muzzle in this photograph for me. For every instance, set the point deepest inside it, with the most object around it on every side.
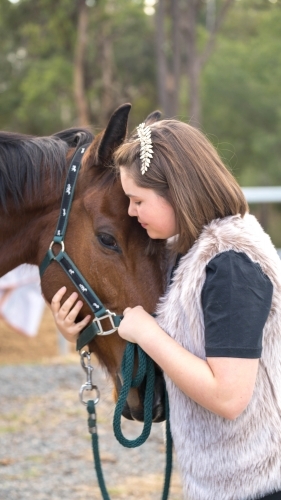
(136, 411)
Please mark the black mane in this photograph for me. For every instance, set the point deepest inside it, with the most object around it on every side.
(26, 160)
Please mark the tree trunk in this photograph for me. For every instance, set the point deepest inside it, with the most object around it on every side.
(106, 61)
(196, 60)
(193, 65)
(194, 91)
(210, 15)
(79, 65)
(168, 71)
(175, 56)
(161, 56)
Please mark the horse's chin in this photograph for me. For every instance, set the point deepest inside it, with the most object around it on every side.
(137, 414)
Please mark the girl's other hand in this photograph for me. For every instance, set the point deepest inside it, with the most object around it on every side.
(136, 324)
(66, 315)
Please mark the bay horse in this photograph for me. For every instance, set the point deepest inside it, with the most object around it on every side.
(106, 245)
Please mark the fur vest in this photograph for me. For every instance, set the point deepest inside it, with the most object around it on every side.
(222, 459)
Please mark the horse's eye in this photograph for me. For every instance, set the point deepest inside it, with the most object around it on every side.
(108, 241)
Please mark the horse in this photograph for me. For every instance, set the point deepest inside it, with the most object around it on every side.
(108, 247)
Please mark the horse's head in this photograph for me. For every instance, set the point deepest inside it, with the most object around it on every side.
(111, 250)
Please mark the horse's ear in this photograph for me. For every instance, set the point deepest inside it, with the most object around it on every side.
(114, 134)
(153, 117)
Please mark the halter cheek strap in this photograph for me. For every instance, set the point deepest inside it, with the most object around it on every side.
(68, 266)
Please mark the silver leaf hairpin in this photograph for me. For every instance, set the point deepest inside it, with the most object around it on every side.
(146, 150)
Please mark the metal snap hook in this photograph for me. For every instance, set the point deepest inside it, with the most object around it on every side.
(88, 386)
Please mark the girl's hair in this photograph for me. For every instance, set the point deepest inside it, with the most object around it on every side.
(188, 172)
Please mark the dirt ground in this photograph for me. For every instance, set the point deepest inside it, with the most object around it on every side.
(44, 349)
(18, 348)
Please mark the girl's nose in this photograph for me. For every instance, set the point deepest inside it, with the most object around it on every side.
(131, 210)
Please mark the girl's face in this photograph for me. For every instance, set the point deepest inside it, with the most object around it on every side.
(154, 213)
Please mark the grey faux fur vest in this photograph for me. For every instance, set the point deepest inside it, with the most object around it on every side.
(221, 459)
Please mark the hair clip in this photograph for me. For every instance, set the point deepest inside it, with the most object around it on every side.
(146, 151)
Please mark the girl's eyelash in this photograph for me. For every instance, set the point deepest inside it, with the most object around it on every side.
(137, 202)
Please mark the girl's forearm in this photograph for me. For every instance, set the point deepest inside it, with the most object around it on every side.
(194, 375)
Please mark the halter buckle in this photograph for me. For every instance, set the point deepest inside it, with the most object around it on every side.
(106, 316)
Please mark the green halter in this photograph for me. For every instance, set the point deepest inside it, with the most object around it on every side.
(63, 259)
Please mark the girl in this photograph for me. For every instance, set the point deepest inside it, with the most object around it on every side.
(217, 335)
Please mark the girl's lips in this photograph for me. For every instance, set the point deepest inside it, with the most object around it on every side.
(142, 224)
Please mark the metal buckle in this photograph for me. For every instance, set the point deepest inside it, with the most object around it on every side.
(61, 243)
(106, 316)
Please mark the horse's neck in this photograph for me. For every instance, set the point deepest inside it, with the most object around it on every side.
(14, 242)
(21, 236)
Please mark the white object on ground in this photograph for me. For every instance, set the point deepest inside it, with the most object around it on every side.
(21, 301)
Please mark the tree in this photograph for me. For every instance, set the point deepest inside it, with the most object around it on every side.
(79, 64)
(38, 49)
(196, 25)
(241, 93)
(168, 67)
(72, 63)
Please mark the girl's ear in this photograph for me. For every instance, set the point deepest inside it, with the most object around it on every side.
(153, 117)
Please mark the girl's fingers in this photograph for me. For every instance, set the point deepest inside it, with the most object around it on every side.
(55, 303)
(71, 332)
(66, 315)
(74, 311)
(66, 307)
(83, 323)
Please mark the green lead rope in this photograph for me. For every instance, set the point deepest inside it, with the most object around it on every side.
(145, 371)
(92, 423)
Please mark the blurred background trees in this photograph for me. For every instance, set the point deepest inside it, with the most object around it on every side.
(213, 63)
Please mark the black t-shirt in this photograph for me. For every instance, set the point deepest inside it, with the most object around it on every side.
(236, 300)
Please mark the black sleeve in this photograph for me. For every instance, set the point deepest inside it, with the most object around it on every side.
(236, 300)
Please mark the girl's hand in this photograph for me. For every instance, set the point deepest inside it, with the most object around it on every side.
(66, 315)
(136, 324)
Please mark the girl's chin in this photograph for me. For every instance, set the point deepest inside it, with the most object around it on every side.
(154, 236)
(158, 236)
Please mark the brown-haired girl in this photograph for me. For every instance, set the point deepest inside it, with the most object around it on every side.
(217, 335)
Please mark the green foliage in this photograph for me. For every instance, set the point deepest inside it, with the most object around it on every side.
(130, 32)
(37, 62)
(241, 96)
(50, 98)
(241, 93)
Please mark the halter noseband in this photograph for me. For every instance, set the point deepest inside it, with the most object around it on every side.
(68, 266)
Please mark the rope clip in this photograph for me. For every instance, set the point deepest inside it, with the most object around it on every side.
(88, 386)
